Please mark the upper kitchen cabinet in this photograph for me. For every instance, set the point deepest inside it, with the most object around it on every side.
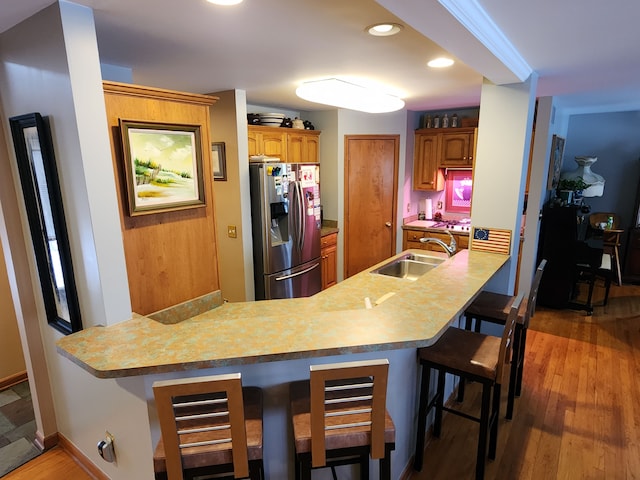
(287, 144)
(303, 146)
(269, 141)
(426, 174)
(457, 147)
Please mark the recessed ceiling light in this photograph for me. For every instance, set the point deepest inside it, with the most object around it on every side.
(225, 2)
(440, 62)
(383, 29)
(343, 94)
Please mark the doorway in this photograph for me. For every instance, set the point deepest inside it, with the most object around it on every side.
(371, 194)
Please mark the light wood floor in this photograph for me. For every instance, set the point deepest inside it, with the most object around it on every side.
(54, 464)
(578, 416)
(579, 413)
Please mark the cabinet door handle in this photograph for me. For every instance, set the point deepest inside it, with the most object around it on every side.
(387, 224)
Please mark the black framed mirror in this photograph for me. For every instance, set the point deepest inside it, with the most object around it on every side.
(43, 202)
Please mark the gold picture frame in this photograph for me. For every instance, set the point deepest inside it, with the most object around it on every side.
(163, 166)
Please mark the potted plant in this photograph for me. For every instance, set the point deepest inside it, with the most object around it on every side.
(570, 189)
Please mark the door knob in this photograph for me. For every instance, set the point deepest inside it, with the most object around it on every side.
(388, 224)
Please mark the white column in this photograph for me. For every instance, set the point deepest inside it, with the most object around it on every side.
(500, 171)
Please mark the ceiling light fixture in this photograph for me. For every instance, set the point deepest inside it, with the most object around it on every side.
(225, 2)
(383, 29)
(342, 94)
(440, 62)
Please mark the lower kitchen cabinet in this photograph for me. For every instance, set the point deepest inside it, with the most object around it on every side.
(411, 239)
(329, 257)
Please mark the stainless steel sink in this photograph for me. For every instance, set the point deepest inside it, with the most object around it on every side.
(410, 266)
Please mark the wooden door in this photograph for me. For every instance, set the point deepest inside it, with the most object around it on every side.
(371, 179)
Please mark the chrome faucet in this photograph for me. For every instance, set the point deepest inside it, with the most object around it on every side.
(450, 249)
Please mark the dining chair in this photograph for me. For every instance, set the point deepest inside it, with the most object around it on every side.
(471, 356)
(209, 425)
(610, 237)
(339, 417)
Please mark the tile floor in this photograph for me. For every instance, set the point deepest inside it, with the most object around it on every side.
(17, 428)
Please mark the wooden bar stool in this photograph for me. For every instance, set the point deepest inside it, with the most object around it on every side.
(472, 356)
(339, 418)
(494, 308)
(209, 425)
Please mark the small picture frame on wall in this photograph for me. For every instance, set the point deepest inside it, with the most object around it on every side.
(218, 161)
(555, 162)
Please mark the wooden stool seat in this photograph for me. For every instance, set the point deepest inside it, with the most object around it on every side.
(209, 425)
(472, 356)
(475, 354)
(345, 420)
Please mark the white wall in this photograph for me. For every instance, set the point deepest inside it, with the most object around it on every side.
(60, 78)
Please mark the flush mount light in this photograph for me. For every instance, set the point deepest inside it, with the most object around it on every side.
(383, 29)
(342, 94)
(440, 62)
(225, 2)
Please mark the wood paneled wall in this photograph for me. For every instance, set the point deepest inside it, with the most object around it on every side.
(171, 257)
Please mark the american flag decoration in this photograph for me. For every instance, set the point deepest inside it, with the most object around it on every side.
(493, 240)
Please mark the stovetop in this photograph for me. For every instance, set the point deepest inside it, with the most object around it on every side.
(463, 225)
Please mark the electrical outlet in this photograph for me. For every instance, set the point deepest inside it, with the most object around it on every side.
(440, 204)
(106, 448)
(231, 231)
(408, 207)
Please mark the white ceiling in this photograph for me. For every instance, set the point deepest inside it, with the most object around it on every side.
(584, 51)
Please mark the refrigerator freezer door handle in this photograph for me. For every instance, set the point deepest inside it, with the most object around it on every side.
(302, 272)
(301, 211)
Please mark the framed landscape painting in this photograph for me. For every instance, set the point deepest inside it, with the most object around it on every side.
(163, 166)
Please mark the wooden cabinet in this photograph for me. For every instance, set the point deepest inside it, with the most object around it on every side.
(289, 145)
(457, 148)
(438, 148)
(268, 141)
(329, 257)
(411, 239)
(426, 175)
(303, 146)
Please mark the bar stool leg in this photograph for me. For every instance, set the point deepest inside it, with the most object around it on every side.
(437, 420)
(423, 410)
(494, 420)
(513, 374)
(520, 370)
(484, 430)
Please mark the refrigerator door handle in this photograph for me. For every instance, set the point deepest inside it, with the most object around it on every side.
(302, 272)
(301, 213)
(295, 212)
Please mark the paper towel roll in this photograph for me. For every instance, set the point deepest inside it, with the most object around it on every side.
(428, 209)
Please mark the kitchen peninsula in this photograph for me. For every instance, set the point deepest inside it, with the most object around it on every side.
(332, 322)
(272, 343)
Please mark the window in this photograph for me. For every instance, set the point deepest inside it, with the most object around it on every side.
(459, 188)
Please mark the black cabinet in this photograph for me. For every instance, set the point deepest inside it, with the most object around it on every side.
(562, 244)
(557, 243)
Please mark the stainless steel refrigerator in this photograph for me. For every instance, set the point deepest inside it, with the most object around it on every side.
(285, 217)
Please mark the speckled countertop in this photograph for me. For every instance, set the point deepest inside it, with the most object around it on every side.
(333, 322)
